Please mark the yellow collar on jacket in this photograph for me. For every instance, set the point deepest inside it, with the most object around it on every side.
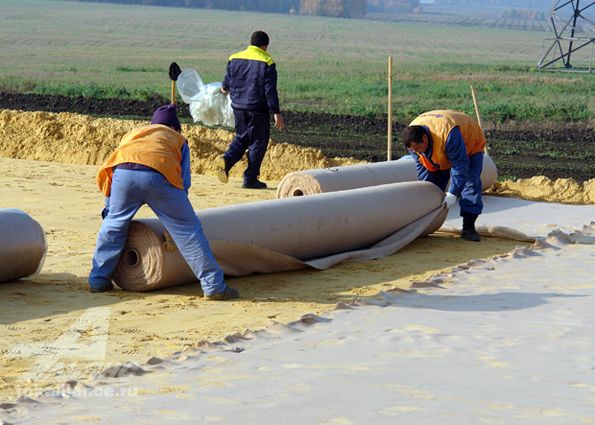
(254, 53)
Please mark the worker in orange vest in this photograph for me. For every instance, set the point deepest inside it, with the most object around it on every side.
(151, 165)
(450, 145)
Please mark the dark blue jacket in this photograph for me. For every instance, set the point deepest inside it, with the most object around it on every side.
(251, 80)
(456, 154)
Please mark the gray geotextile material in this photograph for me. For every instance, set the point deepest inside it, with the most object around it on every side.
(317, 231)
(22, 245)
(322, 180)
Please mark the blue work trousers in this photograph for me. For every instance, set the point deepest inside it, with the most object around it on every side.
(129, 191)
(252, 134)
(470, 197)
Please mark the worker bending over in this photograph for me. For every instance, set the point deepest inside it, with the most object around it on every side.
(151, 166)
(450, 145)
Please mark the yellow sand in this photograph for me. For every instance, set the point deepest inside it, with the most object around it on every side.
(80, 139)
(38, 313)
(540, 188)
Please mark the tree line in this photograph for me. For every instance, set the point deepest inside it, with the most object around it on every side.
(339, 8)
(344, 8)
(534, 4)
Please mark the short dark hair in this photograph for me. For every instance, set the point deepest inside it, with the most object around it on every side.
(259, 38)
(412, 134)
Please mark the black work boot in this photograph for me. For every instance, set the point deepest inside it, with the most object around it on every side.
(256, 184)
(221, 169)
(469, 233)
(227, 294)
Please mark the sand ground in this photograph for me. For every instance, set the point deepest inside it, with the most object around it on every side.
(52, 329)
(508, 341)
(38, 314)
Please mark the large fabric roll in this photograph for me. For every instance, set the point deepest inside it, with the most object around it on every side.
(23, 245)
(322, 180)
(317, 231)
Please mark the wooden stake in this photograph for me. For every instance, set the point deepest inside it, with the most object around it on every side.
(389, 137)
(173, 92)
(477, 114)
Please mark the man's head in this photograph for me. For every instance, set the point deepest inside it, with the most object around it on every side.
(259, 39)
(167, 115)
(415, 138)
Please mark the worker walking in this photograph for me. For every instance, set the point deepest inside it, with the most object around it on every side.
(151, 166)
(450, 145)
(251, 82)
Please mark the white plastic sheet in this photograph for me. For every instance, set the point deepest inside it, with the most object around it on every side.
(207, 104)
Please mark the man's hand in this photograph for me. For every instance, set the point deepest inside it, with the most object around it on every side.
(450, 200)
(225, 92)
(279, 123)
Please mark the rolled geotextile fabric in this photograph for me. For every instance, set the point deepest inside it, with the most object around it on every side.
(323, 180)
(288, 234)
(22, 245)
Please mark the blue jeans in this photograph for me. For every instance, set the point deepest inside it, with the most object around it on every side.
(470, 197)
(130, 190)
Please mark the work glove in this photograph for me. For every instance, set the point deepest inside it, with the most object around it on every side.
(450, 200)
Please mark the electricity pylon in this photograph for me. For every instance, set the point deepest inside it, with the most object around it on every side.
(573, 30)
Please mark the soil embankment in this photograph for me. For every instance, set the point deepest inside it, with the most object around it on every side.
(80, 139)
(520, 151)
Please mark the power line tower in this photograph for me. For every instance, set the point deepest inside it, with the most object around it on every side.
(573, 30)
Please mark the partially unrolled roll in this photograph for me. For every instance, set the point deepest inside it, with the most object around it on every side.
(288, 234)
(323, 180)
(22, 245)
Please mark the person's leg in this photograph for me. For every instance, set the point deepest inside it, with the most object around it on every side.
(471, 202)
(124, 202)
(241, 141)
(174, 210)
(259, 131)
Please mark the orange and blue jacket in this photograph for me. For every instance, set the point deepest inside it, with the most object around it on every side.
(251, 80)
(453, 137)
(155, 146)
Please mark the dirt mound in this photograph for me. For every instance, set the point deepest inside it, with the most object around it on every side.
(80, 139)
(541, 188)
(520, 150)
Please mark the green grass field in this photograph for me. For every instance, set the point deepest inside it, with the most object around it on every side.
(324, 64)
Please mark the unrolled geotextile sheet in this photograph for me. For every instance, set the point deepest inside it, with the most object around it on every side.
(522, 220)
(500, 340)
(318, 231)
(322, 180)
(22, 245)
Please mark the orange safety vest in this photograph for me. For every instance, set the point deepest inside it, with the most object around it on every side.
(156, 146)
(440, 123)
